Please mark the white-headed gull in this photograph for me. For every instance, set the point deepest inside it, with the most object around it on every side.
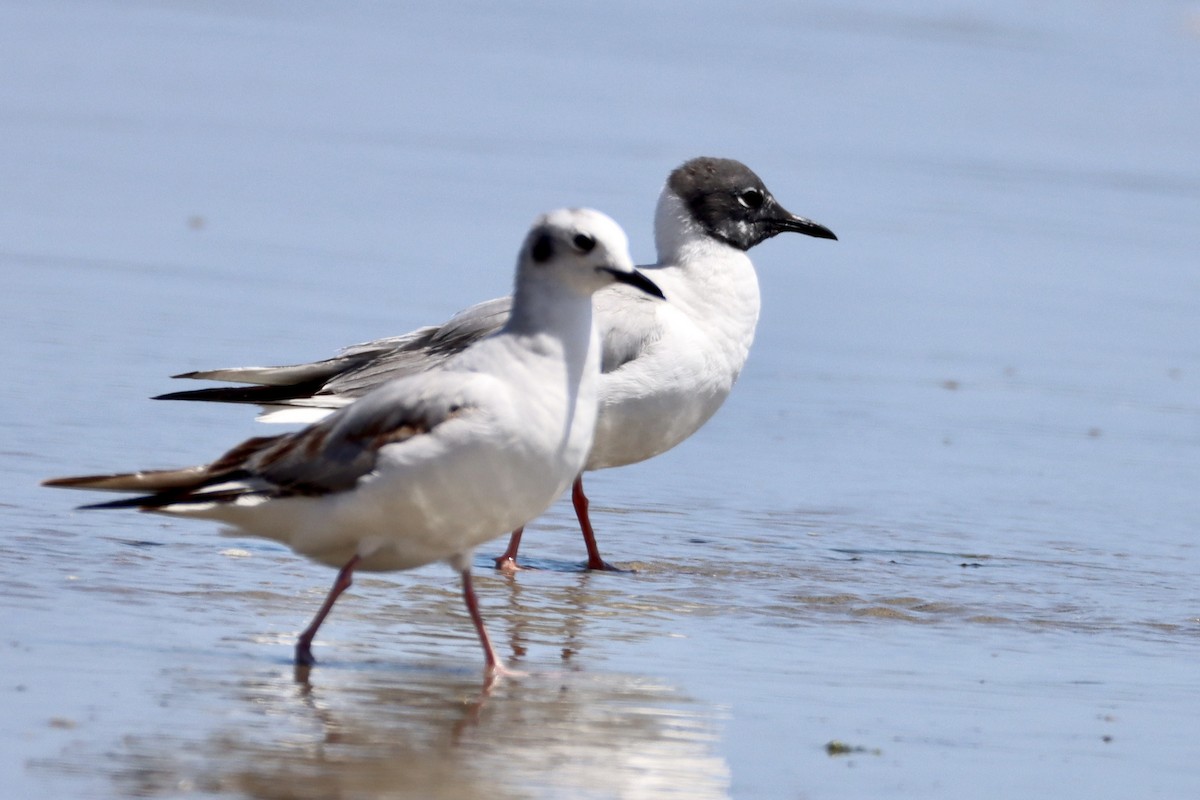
(429, 465)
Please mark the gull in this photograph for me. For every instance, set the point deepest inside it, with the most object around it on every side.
(666, 367)
(428, 466)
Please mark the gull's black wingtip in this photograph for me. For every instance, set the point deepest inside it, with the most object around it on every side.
(141, 503)
(251, 395)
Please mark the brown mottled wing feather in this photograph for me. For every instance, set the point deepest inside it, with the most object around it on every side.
(328, 457)
(332, 455)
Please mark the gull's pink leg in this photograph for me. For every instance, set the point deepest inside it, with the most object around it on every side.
(495, 667)
(304, 656)
(507, 561)
(580, 501)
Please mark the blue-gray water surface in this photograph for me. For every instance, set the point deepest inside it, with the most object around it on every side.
(940, 542)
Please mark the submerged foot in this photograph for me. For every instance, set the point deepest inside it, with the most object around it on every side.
(493, 673)
(600, 565)
(304, 656)
(508, 564)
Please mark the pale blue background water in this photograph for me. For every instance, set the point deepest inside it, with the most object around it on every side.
(949, 514)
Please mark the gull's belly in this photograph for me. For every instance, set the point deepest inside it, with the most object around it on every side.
(422, 506)
(636, 423)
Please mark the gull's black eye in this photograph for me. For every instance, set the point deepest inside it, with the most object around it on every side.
(542, 249)
(583, 243)
(751, 199)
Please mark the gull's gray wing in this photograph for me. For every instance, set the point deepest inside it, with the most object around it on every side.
(625, 319)
(355, 370)
(627, 322)
(436, 345)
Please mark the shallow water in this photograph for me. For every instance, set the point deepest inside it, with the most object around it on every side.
(946, 521)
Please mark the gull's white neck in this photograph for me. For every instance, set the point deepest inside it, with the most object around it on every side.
(709, 280)
(676, 231)
(551, 326)
(544, 306)
(552, 322)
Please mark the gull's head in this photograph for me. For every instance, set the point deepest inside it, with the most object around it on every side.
(723, 199)
(581, 249)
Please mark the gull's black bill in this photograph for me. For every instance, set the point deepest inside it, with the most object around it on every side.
(790, 222)
(636, 279)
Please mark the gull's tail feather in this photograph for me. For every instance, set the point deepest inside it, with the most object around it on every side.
(156, 488)
(174, 497)
(158, 480)
(223, 480)
(161, 488)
